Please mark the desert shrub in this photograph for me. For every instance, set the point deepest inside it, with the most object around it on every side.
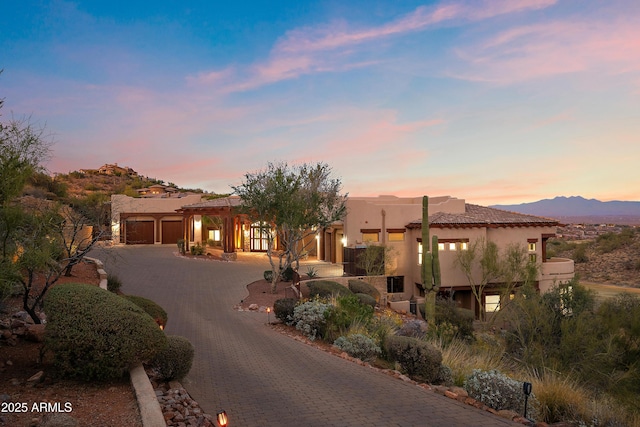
(113, 283)
(358, 345)
(96, 335)
(156, 312)
(347, 309)
(498, 391)
(609, 242)
(445, 376)
(448, 312)
(418, 359)
(283, 309)
(413, 329)
(174, 362)
(362, 287)
(197, 249)
(580, 254)
(287, 274)
(268, 275)
(366, 300)
(309, 318)
(326, 288)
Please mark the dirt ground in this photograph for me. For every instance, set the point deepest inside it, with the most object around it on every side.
(24, 403)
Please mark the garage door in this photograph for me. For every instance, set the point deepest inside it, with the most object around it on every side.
(171, 231)
(139, 233)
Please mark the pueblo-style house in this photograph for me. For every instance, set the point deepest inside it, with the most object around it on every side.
(385, 220)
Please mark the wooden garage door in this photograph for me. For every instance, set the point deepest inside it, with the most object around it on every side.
(139, 232)
(171, 231)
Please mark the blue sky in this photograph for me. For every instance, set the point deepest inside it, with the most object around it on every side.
(491, 101)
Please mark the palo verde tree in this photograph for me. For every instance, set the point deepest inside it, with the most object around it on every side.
(293, 203)
(481, 265)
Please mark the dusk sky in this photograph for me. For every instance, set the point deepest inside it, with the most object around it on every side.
(504, 101)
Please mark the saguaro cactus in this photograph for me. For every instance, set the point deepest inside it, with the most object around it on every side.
(431, 279)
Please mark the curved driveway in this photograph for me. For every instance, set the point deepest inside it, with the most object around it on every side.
(259, 376)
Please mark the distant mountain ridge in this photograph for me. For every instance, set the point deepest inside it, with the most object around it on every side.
(574, 206)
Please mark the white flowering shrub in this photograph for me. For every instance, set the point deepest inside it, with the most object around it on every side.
(309, 318)
(498, 391)
(358, 345)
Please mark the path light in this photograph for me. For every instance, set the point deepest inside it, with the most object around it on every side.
(222, 418)
(268, 315)
(526, 388)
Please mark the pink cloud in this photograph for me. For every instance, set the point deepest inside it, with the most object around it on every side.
(556, 48)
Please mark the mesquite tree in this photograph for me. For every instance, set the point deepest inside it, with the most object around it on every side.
(293, 202)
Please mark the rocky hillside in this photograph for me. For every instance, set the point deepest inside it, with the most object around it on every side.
(612, 258)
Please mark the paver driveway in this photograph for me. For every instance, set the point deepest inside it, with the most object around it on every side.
(260, 377)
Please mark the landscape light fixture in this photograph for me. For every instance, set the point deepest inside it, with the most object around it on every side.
(268, 315)
(526, 388)
(221, 416)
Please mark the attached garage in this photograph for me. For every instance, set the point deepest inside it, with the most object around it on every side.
(171, 231)
(139, 232)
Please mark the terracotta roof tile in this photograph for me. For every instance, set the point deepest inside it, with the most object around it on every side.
(480, 216)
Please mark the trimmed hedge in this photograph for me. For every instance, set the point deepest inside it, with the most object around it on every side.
(366, 300)
(326, 288)
(174, 362)
(95, 334)
(156, 312)
(362, 287)
(418, 359)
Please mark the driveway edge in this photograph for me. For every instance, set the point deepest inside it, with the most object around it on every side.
(150, 411)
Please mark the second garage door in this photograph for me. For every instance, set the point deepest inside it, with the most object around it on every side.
(171, 231)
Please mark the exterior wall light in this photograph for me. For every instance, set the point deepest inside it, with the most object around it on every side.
(221, 416)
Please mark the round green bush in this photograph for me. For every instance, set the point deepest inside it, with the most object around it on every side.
(174, 362)
(156, 312)
(97, 335)
(418, 359)
(366, 300)
(287, 274)
(326, 288)
(283, 309)
(362, 287)
(268, 275)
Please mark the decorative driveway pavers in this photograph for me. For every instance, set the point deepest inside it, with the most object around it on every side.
(259, 376)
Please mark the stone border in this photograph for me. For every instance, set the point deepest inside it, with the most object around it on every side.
(100, 269)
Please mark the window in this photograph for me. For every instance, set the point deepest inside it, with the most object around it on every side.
(452, 246)
(214, 235)
(370, 237)
(464, 246)
(491, 303)
(395, 284)
(532, 246)
(441, 246)
(532, 257)
(419, 253)
(370, 234)
(396, 237)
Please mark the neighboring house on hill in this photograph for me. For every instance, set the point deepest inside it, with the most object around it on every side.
(157, 190)
(396, 222)
(114, 169)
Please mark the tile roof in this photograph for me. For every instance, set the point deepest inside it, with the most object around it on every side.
(481, 216)
(223, 202)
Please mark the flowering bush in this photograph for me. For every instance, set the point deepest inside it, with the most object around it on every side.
(309, 318)
(358, 345)
(498, 391)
